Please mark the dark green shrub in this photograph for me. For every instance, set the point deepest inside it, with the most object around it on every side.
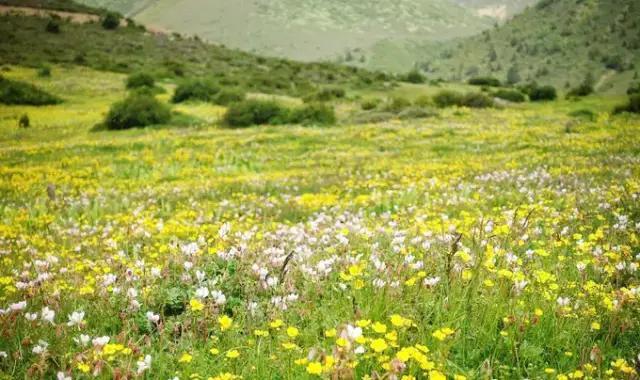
(138, 80)
(542, 93)
(632, 105)
(585, 88)
(397, 104)
(15, 92)
(614, 62)
(447, 98)
(484, 81)
(415, 76)
(371, 117)
(195, 90)
(544, 3)
(111, 20)
(580, 91)
(255, 112)
(80, 58)
(417, 113)
(137, 110)
(175, 68)
(326, 94)
(44, 71)
(227, 96)
(370, 104)
(53, 26)
(24, 122)
(513, 75)
(476, 100)
(314, 113)
(583, 113)
(510, 95)
(634, 89)
(423, 101)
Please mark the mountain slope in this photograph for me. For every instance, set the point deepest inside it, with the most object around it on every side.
(556, 42)
(306, 29)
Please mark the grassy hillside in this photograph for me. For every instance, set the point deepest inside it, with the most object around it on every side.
(129, 49)
(58, 5)
(556, 41)
(305, 29)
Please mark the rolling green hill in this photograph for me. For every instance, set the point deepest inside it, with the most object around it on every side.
(556, 42)
(129, 49)
(312, 29)
(56, 5)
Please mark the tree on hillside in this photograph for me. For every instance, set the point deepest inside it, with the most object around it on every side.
(585, 88)
(111, 21)
(493, 55)
(513, 75)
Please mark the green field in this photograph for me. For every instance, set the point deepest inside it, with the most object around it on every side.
(496, 243)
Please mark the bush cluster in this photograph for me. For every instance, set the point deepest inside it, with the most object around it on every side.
(375, 110)
(485, 81)
(415, 76)
(195, 90)
(541, 93)
(476, 100)
(255, 112)
(326, 94)
(24, 121)
(111, 20)
(634, 89)
(370, 104)
(632, 105)
(417, 112)
(44, 71)
(396, 104)
(53, 26)
(137, 110)
(583, 113)
(513, 96)
(228, 96)
(138, 80)
(449, 98)
(263, 112)
(583, 89)
(314, 113)
(16, 92)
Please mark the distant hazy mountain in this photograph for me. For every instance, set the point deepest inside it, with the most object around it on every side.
(316, 29)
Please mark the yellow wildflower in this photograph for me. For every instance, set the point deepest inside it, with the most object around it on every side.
(314, 368)
(379, 345)
(225, 322)
(196, 305)
(185, 358)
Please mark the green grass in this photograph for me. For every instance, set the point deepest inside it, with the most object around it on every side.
(528, 200)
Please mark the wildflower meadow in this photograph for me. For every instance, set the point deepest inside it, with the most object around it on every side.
(479, 244)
